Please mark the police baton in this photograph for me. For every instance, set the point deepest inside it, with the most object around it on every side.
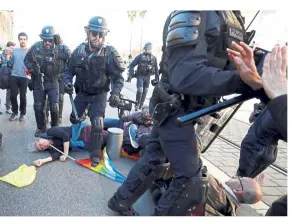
(73, 107)
(219, 106)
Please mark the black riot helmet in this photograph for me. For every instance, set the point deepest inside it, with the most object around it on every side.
(48, 32)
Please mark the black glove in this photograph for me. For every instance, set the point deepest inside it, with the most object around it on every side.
(30, 85)
(68, 88)
(114, 100)
(154, 82)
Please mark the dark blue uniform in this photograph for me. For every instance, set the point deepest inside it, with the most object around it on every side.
(146, 66)
(196, 70)
(49, 61)
(259, 146)
(63, 66)
(94, 72)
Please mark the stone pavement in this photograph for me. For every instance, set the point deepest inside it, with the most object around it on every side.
(226, 158)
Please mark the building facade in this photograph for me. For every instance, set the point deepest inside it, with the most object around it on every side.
(6, 27)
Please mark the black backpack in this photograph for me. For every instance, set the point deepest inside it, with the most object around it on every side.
(5, 73)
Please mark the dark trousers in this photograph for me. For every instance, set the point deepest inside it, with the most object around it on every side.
(18, 85)
(8, 101)
(261, 134)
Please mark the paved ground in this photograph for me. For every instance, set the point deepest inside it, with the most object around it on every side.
(68, 189)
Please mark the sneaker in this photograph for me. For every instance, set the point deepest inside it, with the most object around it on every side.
(9, 111)
(22, 117)
(134, 135)
(13, 117)
(59, 120)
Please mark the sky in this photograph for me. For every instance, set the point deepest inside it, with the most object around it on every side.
(70, 17)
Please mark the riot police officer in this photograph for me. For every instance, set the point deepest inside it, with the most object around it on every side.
(146, 66)
(95, 66)
(196, 70)
(63, 64)
(44, 61)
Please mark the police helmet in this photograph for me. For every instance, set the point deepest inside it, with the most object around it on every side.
(97, 24)
(148, 46)
(48, 32)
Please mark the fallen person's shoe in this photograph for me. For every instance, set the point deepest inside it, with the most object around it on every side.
(246, 190)
(133, 132)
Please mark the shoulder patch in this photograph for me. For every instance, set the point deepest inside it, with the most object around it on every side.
(117, 58)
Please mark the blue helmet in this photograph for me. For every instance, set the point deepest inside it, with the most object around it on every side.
(148, 46)
(48, 32)
(98, 24)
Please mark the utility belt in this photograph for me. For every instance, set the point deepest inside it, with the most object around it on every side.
(92, 91)
(167, 103)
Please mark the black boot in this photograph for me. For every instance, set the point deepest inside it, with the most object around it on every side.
(180, 199)
(139, 180)
(41, 124)
(60, 108)
(142, 100)
(97, 139)
(138, 98)
(54, 114)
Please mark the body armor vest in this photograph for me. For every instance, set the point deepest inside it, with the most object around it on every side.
(146, 65)
(217, 41)
(48, 61)
(91, 71)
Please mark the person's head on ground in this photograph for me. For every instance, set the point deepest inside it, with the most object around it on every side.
(22, 39)
(246, 189)
(42, 144)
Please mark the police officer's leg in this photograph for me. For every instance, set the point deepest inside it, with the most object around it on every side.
(146, 83)
(140, 178)
(61, 98)
(189, 187)
(53, 98)
(259, 146)
(96, 114)
(39, 108)
(139, 91)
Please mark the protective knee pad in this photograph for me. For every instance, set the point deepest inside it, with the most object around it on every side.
(139, 180)
(140, 89)
(183, 197)
(98, 124)
(54, 107)
(38, 107)
(263, 160)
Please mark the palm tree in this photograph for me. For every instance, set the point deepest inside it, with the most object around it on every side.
(142, 15)
(132, 16)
